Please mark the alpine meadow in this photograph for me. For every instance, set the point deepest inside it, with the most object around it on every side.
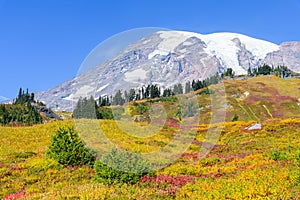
(207, 108)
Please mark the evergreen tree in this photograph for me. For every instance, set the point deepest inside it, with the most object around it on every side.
(255, 72)
(78, 108)
(200, 84)
(229, 72)
(264, 70)
(20, 94)
(138, 95)
(187, 87)
(249, 72)
(22, 110)
(4, 114)
(126, 96)
(99, 101)
(103, 101)
(32, 97)
(92, 108)
(68, 149)
(2, 109)
(5, 118)
(147, 91)
(167, 92)
(178, 89)
(143, 93)
(131, 94)
(118, 99)
(86, 108)
(24, 98)
(154, 91)
(194, 85)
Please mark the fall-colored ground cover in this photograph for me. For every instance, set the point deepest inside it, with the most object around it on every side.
(258, 98)
(257, 164)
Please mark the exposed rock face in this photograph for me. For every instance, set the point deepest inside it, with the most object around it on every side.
(245, 58)
(167, 58)
(47, 112)
(288, 55)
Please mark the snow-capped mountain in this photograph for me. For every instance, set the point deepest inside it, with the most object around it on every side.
(166, 58)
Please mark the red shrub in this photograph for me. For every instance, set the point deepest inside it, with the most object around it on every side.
(15, 196)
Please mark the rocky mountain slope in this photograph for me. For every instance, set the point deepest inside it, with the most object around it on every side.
(166, 58)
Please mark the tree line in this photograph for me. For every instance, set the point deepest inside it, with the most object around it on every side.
(280, 71)
(21, 111)
(90, 108)
(154, 91)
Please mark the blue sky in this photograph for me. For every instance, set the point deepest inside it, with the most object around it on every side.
(44, 42)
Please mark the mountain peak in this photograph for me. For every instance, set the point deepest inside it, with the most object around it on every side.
(225, 46)
(166, 58)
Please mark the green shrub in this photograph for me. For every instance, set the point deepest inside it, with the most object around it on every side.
(68, 149)
(297, 157)
(122, 167)
(110, 113)
(206, 92)
(298, 176)
(278, 155)
(24, 154)
(140, 108)
(105, 113)
(235, 118)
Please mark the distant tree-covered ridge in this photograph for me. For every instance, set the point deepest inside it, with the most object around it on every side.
(21, 111)
(280, 71)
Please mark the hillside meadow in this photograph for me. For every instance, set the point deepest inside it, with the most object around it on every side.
(258, 98)
(244, 164)
(192, 159)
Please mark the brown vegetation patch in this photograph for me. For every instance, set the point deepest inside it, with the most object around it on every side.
(261, 83)
(278, 98)
(248, 143)
(252, 99)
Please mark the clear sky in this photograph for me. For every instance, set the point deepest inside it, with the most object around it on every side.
(44, 42)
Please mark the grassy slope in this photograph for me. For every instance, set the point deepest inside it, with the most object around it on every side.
(268, 97)
(240, 166)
